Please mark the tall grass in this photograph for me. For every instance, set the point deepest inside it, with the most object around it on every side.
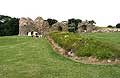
(86, 46)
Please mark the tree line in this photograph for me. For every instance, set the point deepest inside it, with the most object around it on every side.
(8, 26)
(117, 26)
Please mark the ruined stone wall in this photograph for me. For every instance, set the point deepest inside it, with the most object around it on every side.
(38, 23)
(45, 28)
(41, 26)
(25, 26)
(63, 25)
(28, 25)
(85, 26)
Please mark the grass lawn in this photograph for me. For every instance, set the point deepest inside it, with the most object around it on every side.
(114, 38)
(25, 57)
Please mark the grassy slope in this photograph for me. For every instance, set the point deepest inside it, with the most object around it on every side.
(114, 38)
(24, 57)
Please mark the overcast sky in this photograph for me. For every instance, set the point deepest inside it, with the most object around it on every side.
(104, 12)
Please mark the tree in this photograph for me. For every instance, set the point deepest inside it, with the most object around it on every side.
(73, 24)
(8, 26)
(92, 22)
(110, 26)
(77, 21)
(71, 27)
(51, 21)
(118, 25)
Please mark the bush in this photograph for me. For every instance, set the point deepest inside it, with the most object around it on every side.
(110, 26)
(118, 25)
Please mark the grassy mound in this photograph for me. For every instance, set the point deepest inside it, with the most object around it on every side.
(86, 46)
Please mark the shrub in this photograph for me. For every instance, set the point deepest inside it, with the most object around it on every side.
(110, 26)
(118, 25)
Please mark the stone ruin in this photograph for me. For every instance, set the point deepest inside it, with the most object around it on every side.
(25, 25)
(41, 26)
(60, 26)
(28, 25)
(85, 26)
(38, 23)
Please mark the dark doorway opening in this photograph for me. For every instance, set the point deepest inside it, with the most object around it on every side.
(84, 27)
(60, 28)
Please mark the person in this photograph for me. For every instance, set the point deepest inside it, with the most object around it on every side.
(36, 34)
(32, 33)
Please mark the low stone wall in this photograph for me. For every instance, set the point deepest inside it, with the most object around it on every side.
(107, 30)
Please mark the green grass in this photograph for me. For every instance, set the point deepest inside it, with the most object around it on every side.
(25, 57)
(99, 45)
(114, 38)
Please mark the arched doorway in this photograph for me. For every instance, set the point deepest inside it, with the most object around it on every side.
(84, 27)
(60, 28)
